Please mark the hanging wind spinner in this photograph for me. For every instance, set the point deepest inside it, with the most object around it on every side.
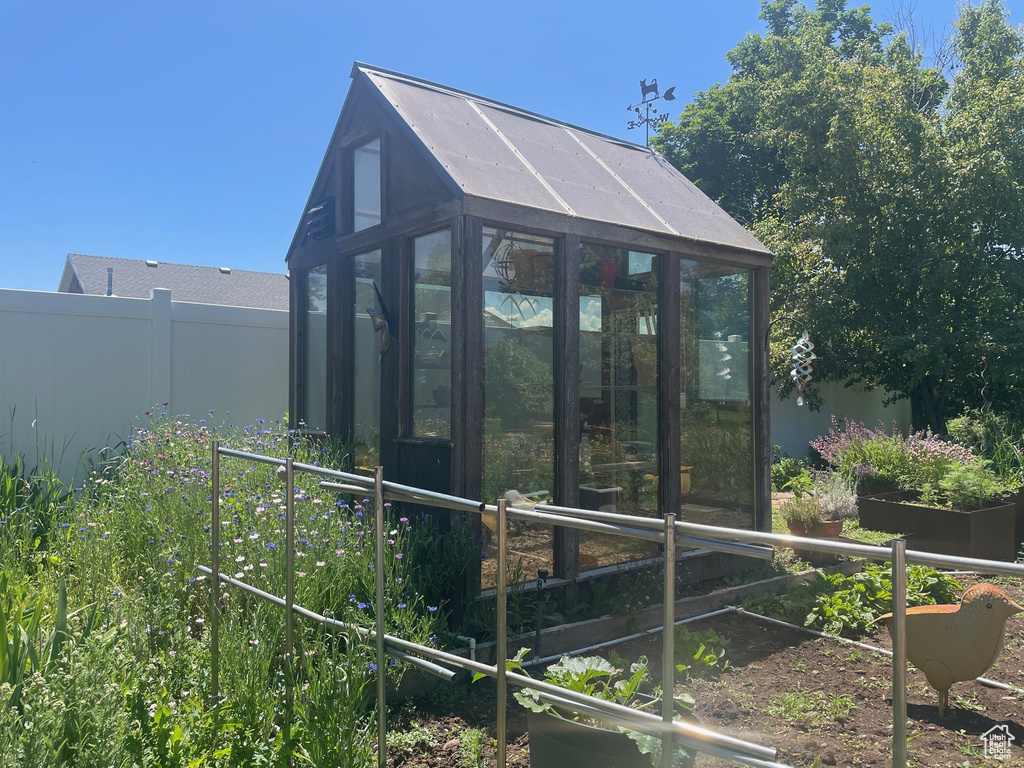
(726, 372)
(803, 356)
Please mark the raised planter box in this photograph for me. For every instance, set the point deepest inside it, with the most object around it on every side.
(602, 498)
(1017, 499)
(985, 533)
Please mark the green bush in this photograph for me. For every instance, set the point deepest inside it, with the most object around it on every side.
(785, 468)
(993, 437)
(946, 473)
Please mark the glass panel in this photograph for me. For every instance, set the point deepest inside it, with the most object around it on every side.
(618, 395)
(432, 314)
(366, 184)
(519, 444)
(716, 414)
(366, 365)
(315, 415)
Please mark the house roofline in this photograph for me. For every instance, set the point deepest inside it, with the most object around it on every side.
(67, 274)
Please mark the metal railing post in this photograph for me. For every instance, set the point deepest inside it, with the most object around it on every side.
(899, 653)
(289, 599)
(501, 649)
(215, 577)
(668, 666)
(378, 611)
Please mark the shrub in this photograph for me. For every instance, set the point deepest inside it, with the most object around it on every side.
(785, 468)
(907, 462)
(964, 487)
(995, 438)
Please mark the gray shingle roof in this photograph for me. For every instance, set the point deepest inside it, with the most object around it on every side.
(134, 278)
(495, 151)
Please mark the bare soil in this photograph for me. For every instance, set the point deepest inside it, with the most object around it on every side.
(769, 666)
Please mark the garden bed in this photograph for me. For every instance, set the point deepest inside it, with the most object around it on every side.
(809, 697)
(986, 533)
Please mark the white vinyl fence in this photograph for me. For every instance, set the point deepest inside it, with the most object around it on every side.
(794, 426)
(77, 372)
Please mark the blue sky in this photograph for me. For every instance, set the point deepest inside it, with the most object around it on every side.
(191, 132)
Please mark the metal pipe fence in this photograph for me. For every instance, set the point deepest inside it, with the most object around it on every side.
(668, 531)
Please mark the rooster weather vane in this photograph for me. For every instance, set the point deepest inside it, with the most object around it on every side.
(647, 114)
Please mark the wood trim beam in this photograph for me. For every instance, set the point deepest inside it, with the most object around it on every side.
(336, 383)
(567, 400)
(556, 224)
(471, 373)
(760, 310)
(296, 345)
(458, 354)
(406, 332)
(404, 224)
(389, 365)
(669, 352)
(344, 349)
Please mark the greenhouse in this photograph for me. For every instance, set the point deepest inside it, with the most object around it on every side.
(492, 303)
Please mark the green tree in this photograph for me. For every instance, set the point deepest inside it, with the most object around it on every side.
(890, 191)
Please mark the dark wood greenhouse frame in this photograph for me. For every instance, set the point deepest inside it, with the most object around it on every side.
(420, 195)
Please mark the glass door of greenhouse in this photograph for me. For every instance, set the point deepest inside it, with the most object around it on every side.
(371, 339)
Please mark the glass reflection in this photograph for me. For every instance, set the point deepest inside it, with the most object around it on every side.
(518, 441)
(366, 365)
(315, 416)
(432, 311)
(366, 185)
(716, 414)
(618, 395)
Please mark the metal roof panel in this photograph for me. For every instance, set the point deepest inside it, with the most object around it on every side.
(573, 172)
(465, 145)
(496, 151)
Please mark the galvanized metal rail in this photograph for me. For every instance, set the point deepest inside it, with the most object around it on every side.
(669, 532)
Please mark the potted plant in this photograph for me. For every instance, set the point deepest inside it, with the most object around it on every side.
(563, 739)
(819, 507)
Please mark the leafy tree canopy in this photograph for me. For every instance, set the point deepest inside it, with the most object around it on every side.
(890, 189)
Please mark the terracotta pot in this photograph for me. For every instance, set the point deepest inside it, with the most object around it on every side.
(826, 529)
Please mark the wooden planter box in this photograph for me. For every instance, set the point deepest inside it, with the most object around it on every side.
(985, 533)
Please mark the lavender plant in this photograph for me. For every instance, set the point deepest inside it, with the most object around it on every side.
(836, 494)
(906, 462)
(943, 472)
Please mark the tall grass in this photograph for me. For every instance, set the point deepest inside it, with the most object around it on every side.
(111, 598)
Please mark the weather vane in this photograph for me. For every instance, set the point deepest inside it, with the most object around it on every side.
(646, 114)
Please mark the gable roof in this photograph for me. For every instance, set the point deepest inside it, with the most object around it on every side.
(135, 278)
(490, 150)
